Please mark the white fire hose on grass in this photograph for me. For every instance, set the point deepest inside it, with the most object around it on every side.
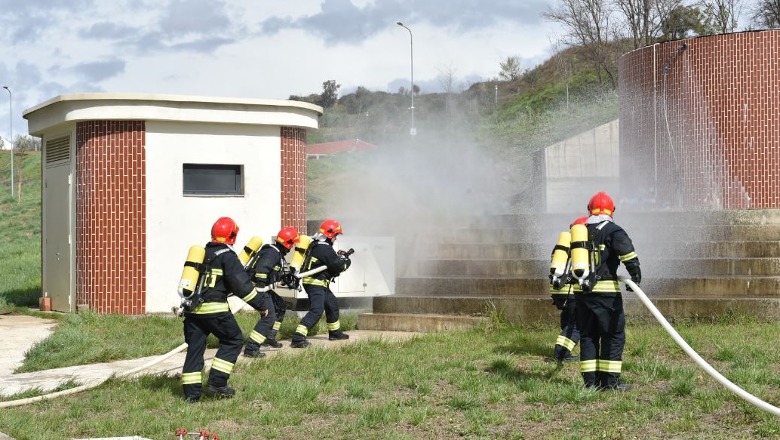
(151, 363)
(695, 356)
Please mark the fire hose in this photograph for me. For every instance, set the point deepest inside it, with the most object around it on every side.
(151, 363)
(78, 389)
(695, 356)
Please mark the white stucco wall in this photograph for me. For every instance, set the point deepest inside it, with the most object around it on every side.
(169, 146)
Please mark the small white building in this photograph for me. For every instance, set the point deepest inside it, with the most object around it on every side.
(131, 181)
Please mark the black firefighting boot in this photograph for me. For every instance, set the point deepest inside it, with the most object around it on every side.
(299, 341)
(563, 354)
(271, 343)
(337, 335)
(223, 392)
(612, 382)
(252, 350)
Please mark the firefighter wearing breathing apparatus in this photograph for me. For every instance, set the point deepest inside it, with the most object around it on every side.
(265, 268)
(317, 286)
(562, 292)
(221, 274)
(600, 315)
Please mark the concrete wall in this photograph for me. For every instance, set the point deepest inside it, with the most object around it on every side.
(581, 166)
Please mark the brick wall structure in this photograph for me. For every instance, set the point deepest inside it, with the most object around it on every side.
(700, 122)
(110, 216)
(293, 178)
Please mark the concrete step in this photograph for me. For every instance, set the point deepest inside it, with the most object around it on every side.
(683, 267)
(653, 249)
(424, 322)
(638, 233)
(519, 287)
(529, 310)
(667, 217)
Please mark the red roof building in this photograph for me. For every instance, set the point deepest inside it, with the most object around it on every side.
(314, 151)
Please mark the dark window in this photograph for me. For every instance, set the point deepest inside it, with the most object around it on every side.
(213, 180)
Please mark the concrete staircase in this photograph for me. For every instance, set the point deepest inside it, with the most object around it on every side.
(694, 264)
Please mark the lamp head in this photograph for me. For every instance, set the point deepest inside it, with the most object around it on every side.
(399, 23)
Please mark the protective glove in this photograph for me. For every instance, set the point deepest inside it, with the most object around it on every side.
(291, 281)
(635, 280)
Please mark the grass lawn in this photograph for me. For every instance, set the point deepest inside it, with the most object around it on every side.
(492, 382)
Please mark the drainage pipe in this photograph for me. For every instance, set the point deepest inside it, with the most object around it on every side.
(695, 356)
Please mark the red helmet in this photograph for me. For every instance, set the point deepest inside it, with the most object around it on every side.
(601, 203)
(287, 237)
(330, 228)
(579, 221)
(224, 230)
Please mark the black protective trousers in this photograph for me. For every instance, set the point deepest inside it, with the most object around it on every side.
(265, 324)
(320, 299)
(569, 328)
(601, 321)
(196, 329)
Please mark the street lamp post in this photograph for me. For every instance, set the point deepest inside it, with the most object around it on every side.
(11, 133)
(412, 130)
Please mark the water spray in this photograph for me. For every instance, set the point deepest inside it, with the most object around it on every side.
(695, 356)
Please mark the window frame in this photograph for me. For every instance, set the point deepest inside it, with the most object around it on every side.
(196, 185)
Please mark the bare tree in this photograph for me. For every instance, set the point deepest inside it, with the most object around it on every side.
(721, 16)
(563, 63)
(510, 69)
(446, 78)
(638, 20)
(447, 82)
(587, 24)
(766, 14)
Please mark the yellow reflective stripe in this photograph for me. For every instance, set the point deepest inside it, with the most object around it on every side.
(609, 366)
(312, 260)
(606, 286)
(277, 325)
(257, 337)
(217, 272)
(262, 276)
(332, 326)
(588, 366)
(222, 365)
(563, 341)
(315, 282)
(211, 307)
(628, 256)
(302, 330)
(191, 378)
(250, 295)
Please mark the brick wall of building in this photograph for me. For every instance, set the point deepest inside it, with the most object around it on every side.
(700, 122)
(110, 216)
(294, 178)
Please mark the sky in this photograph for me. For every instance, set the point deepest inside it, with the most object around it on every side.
(263, 49)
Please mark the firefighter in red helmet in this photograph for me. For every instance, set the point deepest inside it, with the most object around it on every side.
(317, 286)
(600, 315)
(266, 269)
(222, 274)
(564, 300)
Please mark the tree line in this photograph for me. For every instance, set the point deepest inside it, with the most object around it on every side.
(605, 29)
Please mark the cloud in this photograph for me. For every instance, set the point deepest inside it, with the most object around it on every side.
(194, 17)
(342, 22)
(99, 70)
(109, 31)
